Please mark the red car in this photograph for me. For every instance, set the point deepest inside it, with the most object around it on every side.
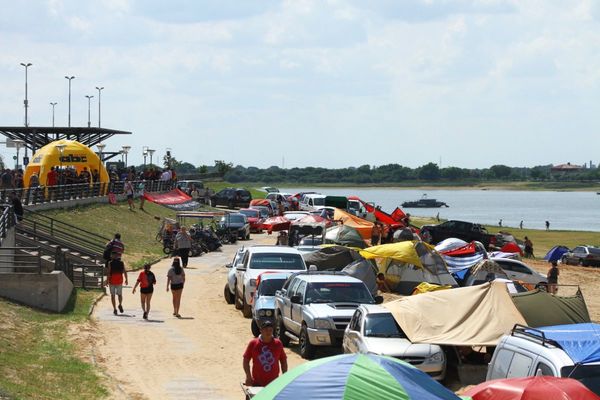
(254, 219)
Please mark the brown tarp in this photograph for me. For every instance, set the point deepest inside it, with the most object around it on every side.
(469, 316)
(540, 308)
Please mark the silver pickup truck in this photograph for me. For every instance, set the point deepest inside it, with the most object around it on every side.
(316, 307)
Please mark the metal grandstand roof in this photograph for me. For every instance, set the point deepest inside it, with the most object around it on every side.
(35, 137)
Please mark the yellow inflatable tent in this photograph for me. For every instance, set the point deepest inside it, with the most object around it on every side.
(74, 155)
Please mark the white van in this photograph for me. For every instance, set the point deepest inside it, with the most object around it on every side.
(312, 202)
(562, 351)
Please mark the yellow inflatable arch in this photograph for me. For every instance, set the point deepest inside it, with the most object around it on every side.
(74, 155)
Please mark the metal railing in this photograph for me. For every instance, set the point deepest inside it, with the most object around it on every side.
(86, 276)
(7, 221)
(46, 194)
(20, 259)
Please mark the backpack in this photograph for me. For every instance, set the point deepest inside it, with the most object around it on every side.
(107, 251)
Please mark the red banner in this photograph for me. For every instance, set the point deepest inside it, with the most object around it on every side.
(173, 197)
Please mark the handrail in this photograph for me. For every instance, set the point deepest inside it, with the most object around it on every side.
(22, 260)
(53, 222)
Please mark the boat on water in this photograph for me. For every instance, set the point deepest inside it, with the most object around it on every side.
(424, 202)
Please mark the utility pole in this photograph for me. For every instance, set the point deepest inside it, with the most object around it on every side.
(70, 79)
(99, 101)
(26, 103)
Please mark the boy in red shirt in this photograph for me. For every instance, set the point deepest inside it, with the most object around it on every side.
(266, 353)
(116, 271)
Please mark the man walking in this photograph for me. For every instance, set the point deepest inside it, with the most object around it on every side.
(183, 243)
(116, 272)
(266, 353)
(114, 246)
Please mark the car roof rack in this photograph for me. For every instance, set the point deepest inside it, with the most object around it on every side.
(532, 333)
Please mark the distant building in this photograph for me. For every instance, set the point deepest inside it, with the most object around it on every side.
(568, 167)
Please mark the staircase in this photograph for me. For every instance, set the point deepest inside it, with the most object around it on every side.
(63, 247)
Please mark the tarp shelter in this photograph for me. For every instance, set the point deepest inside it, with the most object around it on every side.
(556, 253)
(175, 196)
(407, 264)
(470, 316)
(345, 235)
(362, 226)
(540, 308)
(580, 341)
(74, 155)
(332, 258)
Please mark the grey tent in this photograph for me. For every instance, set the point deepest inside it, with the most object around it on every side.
(333, 258)
(366, 271)
(345, 235)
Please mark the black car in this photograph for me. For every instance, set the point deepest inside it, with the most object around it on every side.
(236, 222)
(466, 231)
(231, 198)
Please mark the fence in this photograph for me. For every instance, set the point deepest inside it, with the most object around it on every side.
(7, 221)
(45, 194)
(20, 259)
(86, 276)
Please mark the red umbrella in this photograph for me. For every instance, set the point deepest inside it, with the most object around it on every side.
(531, 388)
(275, 224)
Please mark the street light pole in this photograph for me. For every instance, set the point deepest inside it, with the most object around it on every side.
(151, 151)
(99, 98)
(26, 102)
(125, 151)
(70, 79)
(145, 154)
(18, 144)
(89, 99)
(53, 104)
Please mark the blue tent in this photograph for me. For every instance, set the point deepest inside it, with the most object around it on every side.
(580, 341)
(556, 253)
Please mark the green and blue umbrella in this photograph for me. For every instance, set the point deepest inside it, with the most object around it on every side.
(355, 377)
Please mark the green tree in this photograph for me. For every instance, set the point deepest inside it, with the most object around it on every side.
(222, 167)
(429, 172)
(501, 171)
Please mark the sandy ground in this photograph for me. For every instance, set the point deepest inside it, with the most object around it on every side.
(200, 355)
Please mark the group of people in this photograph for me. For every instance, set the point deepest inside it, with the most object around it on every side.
(146, 280)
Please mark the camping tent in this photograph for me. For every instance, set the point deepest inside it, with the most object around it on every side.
(364, 270)
(362, 226)
(469, 316)
(407, 264)
(345, 235)
(484, 271)
(556, 253)
(74, 155)
(540, 308)
(332, 258)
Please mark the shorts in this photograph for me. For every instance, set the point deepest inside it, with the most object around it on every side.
(129, 197)
(116, 290)
(176, 286)
(147, 290)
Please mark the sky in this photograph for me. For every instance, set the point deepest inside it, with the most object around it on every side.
(328, 83)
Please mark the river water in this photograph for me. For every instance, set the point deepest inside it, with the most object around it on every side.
(564, 210)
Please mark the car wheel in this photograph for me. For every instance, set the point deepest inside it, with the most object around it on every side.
(246, 308)
(542, 286)
(280, 331)
(236, 300)
(581, 263)
(227, 294)
(254, 328)
(307, 350)
(248, 236)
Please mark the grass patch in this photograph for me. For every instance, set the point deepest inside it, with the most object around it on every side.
(37, 361)
(137, 228)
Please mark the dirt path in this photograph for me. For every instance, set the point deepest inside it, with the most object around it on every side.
(198, 356)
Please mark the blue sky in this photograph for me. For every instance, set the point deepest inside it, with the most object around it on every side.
(315, 83)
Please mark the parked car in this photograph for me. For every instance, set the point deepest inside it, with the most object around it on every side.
(263, 306)
(279, 197)
(373, 330)
(466, 231)
(311, 202)
(236, 222)
(541, 351)
(264, 211)
(519, 271)
(254, 219)
(586, 256)
(316, 307)
(257, 260)
(231, 197)
(186, 186)
(229, 290)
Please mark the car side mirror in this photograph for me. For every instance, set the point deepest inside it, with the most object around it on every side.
(378, 299)
(296, 299)
(240, 268)
(228, 265)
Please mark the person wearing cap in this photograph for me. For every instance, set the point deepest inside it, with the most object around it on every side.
(266, 353)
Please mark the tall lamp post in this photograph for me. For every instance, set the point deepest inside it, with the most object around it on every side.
(61, 149)
(53, 104)
(89, 102)
(26, 102)
(99, 98)
(69, 78)
(125, 150)
(18, 144)
(151, 151)
(145, 154)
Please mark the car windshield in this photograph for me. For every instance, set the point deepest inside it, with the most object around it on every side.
(236, 219)
(270, 286)
(338, 292)
(319, 201)
(250, 213)
(589, 375)
(277, 261)
(382, 325)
